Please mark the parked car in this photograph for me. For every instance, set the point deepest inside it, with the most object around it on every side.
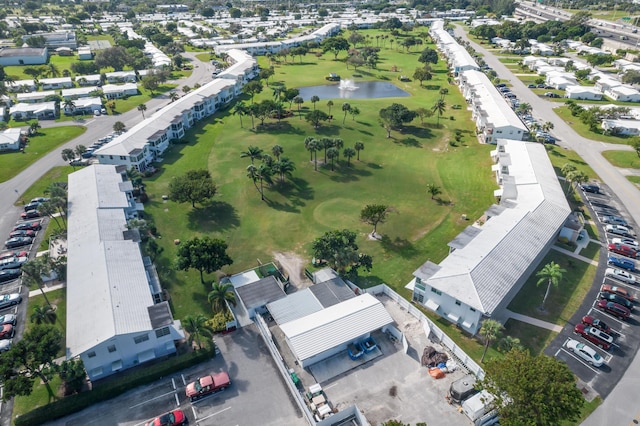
(551, 94)
(8, 319)
(173, 418)
(22, 233)
(549, 139)
(18, 242)
(13, 262)
(623, 250)
(610, 297)
(7, 331)
(589, 187)
(615, 289)
(207, 385)
(31, 214)
(39, 200)
(627, 242)
(614, 309)
(540, 86)
(7, 300)
(9, 254)
(621, 262)
(531, 86)
(9, 274)
(594, 335)
(619, 230)
(587, 353)
(500, 85)
(621, 275)
(5, 345)
(615, 220)
(594, 322)
(31, 206)
(35, 225)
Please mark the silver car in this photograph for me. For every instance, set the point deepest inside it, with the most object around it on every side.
(7, 300)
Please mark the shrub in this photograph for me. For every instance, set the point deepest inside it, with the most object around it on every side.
(219, 321)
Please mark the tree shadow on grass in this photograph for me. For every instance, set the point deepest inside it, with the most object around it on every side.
(296, 190)
(409, 142)
(281, 127)
(328, 130)
(400, 246)
(215, 216)
(374, 166)
(344, 173)
(419, 132)
(365, 132)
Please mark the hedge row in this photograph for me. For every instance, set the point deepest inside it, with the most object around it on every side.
(78, 402)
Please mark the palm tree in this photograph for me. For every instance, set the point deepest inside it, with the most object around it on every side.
(548, 125)
(490, 330)
(252, 152)
(313, 146)
(307, 142)
(261, 173)
(219, 294)
(439, 107)
(433, 189)
(69, 105)
(142, 108)
(52, 70)
(44, 314)
(284, 167)
(33, 271)
(359, 146)
(173, 95)
(345, 107)
(277, 150)
(239, 109)
(349, 153)
(326, 144)
(313, 100)
(354, 111)
(524, 108)
(298, 101)
(252, 110)
(196, 327)
(551, 273)
(443, 92)
(332, 153)
(68, 155)
(339, 144)
(575, 178)
(34, 126)
(329, 105)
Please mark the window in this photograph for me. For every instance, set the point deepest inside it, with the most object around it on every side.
(417, 297)
(111, 348)
(122, 157)
(458, 303)
(472, 310)
(91, 354)
(438, 292)
(111, 157)
(162, 332)
(141, 338)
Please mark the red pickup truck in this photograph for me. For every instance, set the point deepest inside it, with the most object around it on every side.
(207, 385)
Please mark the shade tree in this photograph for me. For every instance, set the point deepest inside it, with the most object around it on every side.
(204, 254)
(195, 186)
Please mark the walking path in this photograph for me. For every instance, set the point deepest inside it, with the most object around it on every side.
(47, 289)
(534, 321)
(574, 255)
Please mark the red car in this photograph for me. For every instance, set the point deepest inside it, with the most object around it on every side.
(173, 418)
(623, 250)
(594, 335)
(617, 290)
(28, 226)
(9, 254)
(22, 233)
(614, 309)
(594, 322)
(7, 331)
(207, 385)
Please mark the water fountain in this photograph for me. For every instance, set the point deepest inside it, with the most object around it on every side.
(348, 85)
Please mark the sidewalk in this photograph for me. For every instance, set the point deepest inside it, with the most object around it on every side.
(47, 289)
(534, 321)
(575, 256)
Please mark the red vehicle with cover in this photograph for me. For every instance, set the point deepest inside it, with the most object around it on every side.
(206, 385)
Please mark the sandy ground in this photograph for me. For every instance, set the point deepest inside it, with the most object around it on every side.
(293, 265)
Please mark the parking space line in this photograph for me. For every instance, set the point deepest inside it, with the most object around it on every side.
(152, 399)
(195, 416)
(215, 414)
(184, 382)
(574, 356)
(607, 315)
(330, 386)
(173, 382)
(177, 400)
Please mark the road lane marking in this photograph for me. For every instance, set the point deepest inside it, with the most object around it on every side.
(152, 399)
(215, 414)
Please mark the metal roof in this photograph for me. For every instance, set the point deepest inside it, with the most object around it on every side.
(294, 306)
(260, 293)
(332, 292)
(160, 315)
(337, 325)
(463, 238)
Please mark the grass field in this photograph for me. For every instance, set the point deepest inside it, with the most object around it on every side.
(624, 159)
(46, 140)
(531, 337)
(56, 174)
(564, 300)
(634, 179)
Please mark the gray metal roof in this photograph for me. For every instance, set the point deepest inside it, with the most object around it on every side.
(160, 315)
(294, 306)
(426, 270)
(463, 238)
(332, 292)
(260, 293)
(21, 51)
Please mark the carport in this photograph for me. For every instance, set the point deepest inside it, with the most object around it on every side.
(257, 295)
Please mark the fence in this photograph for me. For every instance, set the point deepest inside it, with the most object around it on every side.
(429, 328)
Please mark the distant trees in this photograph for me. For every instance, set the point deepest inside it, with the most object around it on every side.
(335, 45)
(195, 186)
(428, 56)
(204, 254)
(116, 57)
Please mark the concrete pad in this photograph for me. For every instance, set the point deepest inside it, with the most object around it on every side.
(341, 363)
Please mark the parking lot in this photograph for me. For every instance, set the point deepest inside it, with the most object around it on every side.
(625, 332)
(257, 395)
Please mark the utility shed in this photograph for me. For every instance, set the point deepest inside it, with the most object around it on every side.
(325, 333)
(332, 292)
(294, 306)
(256, 295)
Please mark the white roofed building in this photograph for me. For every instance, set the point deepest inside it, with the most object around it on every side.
(56, 83)
(623, 93)
(28, 111)
(115, 319)
(622, 127)
(583, 92)
(488, 264)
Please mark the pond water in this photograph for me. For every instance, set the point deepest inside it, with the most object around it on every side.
(348, 89)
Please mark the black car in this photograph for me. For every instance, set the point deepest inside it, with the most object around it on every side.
(28, 226)
(32, 206)
(540, 86)
(610, 297)
(531, 86)
(594, 189)
(18, 242)
(9, 274)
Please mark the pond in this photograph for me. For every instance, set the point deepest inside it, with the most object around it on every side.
(348, 89)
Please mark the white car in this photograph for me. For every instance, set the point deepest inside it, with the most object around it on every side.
(618, 230)
(621, 275)
(587, 353)
(7, 300)
(5, 345)
(627, 242)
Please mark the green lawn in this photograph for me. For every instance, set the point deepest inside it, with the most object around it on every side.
(531, 337)
(38, 398)
(56, 174)
(61, 62)
(561, 156)
(12, 163)
(564, 300)
(52, 227)
(584, 131)
(124, 105)
(204, 57)
(634, 179)
(624, 159)
(591, 251)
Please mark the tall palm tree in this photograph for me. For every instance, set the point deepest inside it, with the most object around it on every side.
(358, 146)
(219, 294)
(277, 151)
(332, 153)
(547, 125)
(443, 92)
(349, 153)
(307, 143)
(439, 107)
(313, 100)
(551, 273)
(252, 152)
(261, 173)
(68, 155)
(354, 111)
(298, 101)
(345, 107)
(326, 144)
(339, 144)
(524, 108)
(69, 105)
(197, 328)
(142, 108)
(313, 148)
(284, 167)
(239, 109)
(52, 70)
(490, 330)
(329, 105)
(44, 314)
(252, 110)
(33, 271)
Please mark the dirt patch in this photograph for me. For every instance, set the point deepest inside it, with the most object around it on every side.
(293, 266)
